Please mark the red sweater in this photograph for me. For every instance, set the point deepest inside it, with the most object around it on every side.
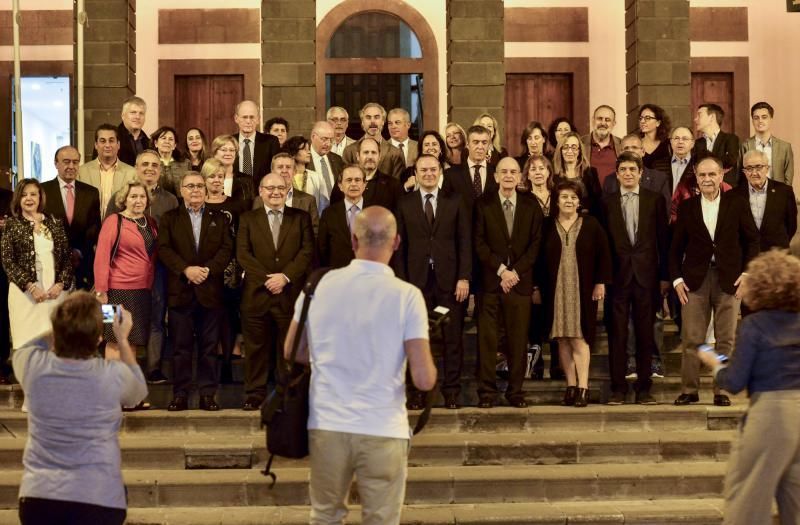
(133, 268)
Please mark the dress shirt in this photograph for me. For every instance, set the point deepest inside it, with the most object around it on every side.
(63, 186)
(289, 197)
(678, 167)
(710, 211)
(471, 166)
(710, 139)
(197, 220)
(503, 200)
(434, 199)
(404, 149)
(318, 159)
(279, 210)
(758, 202)
(337, 147)
(241, 138)
(227, 186)
(634, 203)
(348, 205)
(766, 148)
(106, 184)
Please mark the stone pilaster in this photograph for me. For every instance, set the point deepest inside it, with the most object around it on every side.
(476, 75)
(657, 58)
(109, 63)
(288, 55)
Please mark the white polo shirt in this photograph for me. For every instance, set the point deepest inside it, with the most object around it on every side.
(358, 320)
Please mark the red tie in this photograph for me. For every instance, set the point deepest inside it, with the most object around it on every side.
(70, 202)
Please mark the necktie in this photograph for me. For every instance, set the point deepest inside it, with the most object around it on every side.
(476, 180)
(402, 147)
(508, 211)
(275, 226)
(351, 217)
(630, 216)
(247, 161)
(429, 208)
(326, 174)
(70, 202)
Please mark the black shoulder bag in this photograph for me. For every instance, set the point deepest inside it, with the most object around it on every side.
(285, 412)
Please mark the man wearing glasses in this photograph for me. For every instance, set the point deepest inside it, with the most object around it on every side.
(681, 141)
(338, 117)
(195, 246)
(275, 245)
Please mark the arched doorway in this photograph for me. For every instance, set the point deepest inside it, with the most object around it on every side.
(371, 51)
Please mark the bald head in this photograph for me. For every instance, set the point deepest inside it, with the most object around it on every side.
(273, 191)
(321, 137)
(375, 234)
(247, 117)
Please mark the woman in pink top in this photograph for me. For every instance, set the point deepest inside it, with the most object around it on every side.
(125, 260)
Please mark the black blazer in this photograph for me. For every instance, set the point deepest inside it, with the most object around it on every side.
(176, 250)
(333, 242)
(335, 163)
(382, 190)
(653, 180)
(259, 257)
(447, 241)
(458, 179)
(726, 148)
(494, 246)
(779, 223)
(266, 146)
(735, 242)
(82, 233)
(645, 260)
(5, 211)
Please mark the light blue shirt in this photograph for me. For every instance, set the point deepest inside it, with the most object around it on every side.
(758, 201)
(678, 167)
(197, 220)
(766, 148)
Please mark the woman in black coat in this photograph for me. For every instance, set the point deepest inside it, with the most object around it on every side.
(574, 265)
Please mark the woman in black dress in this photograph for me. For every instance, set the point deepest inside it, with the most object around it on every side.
(571, 162)
(654, 128)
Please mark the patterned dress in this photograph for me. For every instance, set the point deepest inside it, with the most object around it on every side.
(567, 301)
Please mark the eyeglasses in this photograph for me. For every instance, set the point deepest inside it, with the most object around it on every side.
(191, 187)
(274, 188)
(757, 167)
(340, 120)
(681, 139)
(572, 147)
(646, 118)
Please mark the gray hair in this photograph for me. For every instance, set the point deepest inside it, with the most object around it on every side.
(756, 153)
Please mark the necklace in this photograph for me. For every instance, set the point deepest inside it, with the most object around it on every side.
(139, 224)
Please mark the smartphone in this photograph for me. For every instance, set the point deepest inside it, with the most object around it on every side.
(708, 348)
(110, 311)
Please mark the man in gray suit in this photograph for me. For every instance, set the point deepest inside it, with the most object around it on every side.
(107, 172)
(778, 151)
(391, 161)
(326, 166)
(283, 165)
(399, 123)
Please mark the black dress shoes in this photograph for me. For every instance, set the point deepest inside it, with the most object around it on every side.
(721, 400)
(178, 403)
(208, 403)
(252, 403)
(415, 401)
(685, 399)
(486, 402)
(582, 397)
(518, 402)
(451, 401)
(569, 396)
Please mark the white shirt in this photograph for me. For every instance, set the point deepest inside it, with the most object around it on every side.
(471, 168)
(710, 212)
(241, 139)
(358, 362)
(62, 184)
(338, 147)
(434, 199)
(404, 149)
(317, 159)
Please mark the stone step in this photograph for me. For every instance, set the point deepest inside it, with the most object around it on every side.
(426, 485)
(428, 449)
(594, 418)
(705, 511)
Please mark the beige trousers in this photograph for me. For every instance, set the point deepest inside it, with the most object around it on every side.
(380, 465)
(765, 462)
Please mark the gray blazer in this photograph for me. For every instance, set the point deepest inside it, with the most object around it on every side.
(90, 174)
(782, 160)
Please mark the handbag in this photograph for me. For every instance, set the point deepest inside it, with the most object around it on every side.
(285, 411)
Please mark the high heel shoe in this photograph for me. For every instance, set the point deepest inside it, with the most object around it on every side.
(569, 396)
(582, 399)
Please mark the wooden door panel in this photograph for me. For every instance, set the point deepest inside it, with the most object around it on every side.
(716, 88)
(535, 96)
(206, 102)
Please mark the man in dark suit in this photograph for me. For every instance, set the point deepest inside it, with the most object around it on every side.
(283, 165)
(132, 138)
(476, 176)
(256, 149)
(381, 190)
(195, 245)
(334, 242)
(772, 203)
(713, 240)
(652, 180)
(436, 257)
(275, 246)
(715, 142)
(506, 237)
(5, 335)
(78, 205)
(326, 166)
(391, 160)
(636, 223)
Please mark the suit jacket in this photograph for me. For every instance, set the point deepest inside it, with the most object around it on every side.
(128, 146)
(726, 148)
(653, 180)
(333, 242)
(779, 223)
(176, 250)
(265, 147)
(646, 259)
(381, 190)
(5, 212)
(735, 242)
(494, 246)
(447, 242)
(782, 161)
(300, 200)
(259, 257)
(90, 174)
(411, 154)
(458, 179)
(391, 160)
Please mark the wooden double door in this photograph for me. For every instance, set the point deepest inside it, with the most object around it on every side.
(206, 102)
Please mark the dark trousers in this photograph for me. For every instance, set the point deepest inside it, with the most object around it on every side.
(511, 311)
(264, 333)
(453, 349)
(41, 511)
(5, 329)
(190, 325)
(538, 333)
(640, 298)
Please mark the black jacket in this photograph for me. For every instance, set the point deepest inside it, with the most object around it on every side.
(779, 223)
